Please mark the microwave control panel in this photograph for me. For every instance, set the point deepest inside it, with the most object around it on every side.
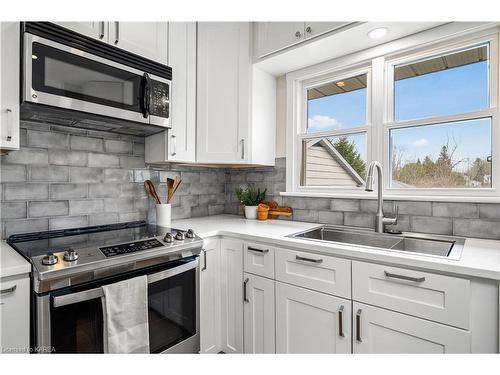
(160, 99)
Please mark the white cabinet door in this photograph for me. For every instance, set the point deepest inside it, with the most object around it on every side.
(232, 295)
(93, 29)
(146, 39)
(224, 69)
(378, 330)
(313, 29)
(311, 322)
(14, 315)
(9, 85)
(258, 314)
(210, 297)
(270, 37)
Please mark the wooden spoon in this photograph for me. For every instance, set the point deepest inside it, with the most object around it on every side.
(151, 190)
(174, 189)
(170, 185)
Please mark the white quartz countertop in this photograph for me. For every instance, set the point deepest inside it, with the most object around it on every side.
(11, 263)
(480, 258)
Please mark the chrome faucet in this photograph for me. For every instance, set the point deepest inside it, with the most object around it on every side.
(380, 220)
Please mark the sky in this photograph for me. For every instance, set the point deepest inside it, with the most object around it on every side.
(458, 90)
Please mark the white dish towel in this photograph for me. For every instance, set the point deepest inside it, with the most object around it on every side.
(125, 308)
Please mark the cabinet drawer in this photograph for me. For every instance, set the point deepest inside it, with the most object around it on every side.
(439, 298)
(14, 314)
(259, 259)
(318, 272)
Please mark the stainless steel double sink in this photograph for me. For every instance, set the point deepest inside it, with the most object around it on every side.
(423, 244)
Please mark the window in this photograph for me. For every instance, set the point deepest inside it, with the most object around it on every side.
(429, 116)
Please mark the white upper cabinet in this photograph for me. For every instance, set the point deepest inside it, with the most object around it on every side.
(236, 103)
(314, 29)
(146, 39)
(178, 144)
(9, 83)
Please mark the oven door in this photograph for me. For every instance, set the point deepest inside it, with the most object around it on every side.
(64, 77)
(71, 321)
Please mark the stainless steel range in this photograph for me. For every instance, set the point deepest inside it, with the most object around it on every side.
(69, 267)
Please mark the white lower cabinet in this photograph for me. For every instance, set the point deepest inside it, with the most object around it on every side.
(311, 322)
(210, 297)
(258, 312)
(231, 285)
(378, 330)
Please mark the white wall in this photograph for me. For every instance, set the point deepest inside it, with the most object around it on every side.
(281, 117)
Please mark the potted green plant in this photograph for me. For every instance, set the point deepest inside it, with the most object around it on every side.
(250, 198)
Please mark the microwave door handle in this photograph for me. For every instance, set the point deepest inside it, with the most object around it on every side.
(86, 295)
(146, 95)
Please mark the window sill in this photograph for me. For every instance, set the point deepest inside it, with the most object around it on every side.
(419, 198)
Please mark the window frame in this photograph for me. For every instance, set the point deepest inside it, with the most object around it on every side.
(379, 120)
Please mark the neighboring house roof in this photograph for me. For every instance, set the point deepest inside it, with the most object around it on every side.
(325, 166)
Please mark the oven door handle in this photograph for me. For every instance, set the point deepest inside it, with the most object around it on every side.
(86, 295)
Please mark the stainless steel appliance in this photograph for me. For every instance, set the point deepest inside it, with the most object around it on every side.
(73, 80)
(70, 266)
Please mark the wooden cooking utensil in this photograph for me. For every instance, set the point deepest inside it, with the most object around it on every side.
(174, 189)
(170, 185)
(151, 190)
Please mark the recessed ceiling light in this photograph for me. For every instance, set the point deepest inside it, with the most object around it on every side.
(340, 83)
(379, 32)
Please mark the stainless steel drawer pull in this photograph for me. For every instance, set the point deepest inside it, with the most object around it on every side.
(204, 260)
(358, 326)
(258, 250)
(341, 321)
(245, 299)
(12, 289)
(117, 32)
(309, 259)
(101, 29)
(403, 277)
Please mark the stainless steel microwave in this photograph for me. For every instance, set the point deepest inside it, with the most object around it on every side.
(73, 80)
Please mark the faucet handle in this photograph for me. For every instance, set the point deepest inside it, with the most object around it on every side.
(395, 209)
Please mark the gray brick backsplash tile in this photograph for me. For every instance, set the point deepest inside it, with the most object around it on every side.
(461, 210)
(64, 222)
(355, 219)
(215, 209)
(190, 177)
(118, 175)
(48, 209)
(86, 174)
(489, 211)
(436, 225)
(307, 203)
(212, 199)
(13, 210)
(118, 147)
(47, 139)
(23, 137)
(132, 216)
(199, 211)
(402, 225)
(68, 191)
(141, 204)
(169, 174)
(119, 205)
(255, 177)
(63, 157)
(138, 148)
(86, 143)
(415, 208)
(27, 155)
(132, 190)
(49, 173)
(181, 212)
(310, 216)
(130, 162)
(370, 205)
(141, 175)
(25, 226)
(477, 228)
(329, 217)
(106, 190)
(25, 191)
(103, 218)
(103, 160)
(344, 205)
(190, 200)
(85, 207)
(13, 173)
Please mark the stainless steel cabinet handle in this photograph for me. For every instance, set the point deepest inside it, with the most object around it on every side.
(245, 299)
(12, 289)
(309, 259)
(403, 277)
(358, 326)
(258, 250)
(242, 149)
(298, 34)
(9, 124)
(308, 29)
(117, 32)
(174, 145)
(341, 321)
(204, 260)
(101, 29)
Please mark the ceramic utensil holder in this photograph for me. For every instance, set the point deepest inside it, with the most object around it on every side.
(164, 214)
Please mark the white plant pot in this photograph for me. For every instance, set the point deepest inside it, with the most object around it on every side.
(251, 212)
(164, 214)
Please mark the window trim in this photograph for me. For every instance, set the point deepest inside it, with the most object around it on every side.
(379, 106)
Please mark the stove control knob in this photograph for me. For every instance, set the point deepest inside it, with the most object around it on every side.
(180, 236)
(50, 259)
(70, 255)
(190, 233)
(169, 238)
